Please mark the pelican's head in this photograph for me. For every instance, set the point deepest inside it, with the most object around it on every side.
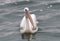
(26, 9)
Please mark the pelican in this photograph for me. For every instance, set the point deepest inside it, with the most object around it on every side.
(28, 23)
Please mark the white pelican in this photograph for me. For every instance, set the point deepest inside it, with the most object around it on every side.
(28, 23)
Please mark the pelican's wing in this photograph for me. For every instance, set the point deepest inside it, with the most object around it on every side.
(35, 23)
(23, 22)
(34, 19)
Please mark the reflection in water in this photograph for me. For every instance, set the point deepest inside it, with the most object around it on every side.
(28, 36)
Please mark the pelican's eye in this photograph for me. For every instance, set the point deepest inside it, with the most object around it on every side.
(25, 10)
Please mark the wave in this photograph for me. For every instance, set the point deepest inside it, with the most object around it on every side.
(50, 29)
(4, 34)
(2, 2)
(23, 2)
(56, 2)
(13, 4)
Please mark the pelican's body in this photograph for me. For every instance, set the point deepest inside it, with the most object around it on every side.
(27, 26)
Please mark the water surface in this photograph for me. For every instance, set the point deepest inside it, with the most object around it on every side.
(47, 13)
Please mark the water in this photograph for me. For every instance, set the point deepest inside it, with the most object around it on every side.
(47, 13)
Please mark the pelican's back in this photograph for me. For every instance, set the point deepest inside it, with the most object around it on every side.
(23, 23)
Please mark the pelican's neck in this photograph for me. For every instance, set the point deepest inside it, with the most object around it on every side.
(27, 19)
(27, 14)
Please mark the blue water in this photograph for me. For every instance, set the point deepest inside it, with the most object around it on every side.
(47, 13)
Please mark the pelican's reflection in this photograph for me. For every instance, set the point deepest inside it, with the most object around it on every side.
(28, 36)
